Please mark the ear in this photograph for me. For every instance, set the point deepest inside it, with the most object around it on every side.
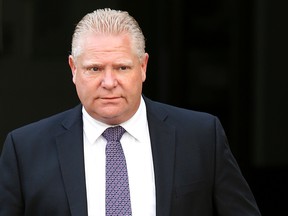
(144, 66)
(73, 67)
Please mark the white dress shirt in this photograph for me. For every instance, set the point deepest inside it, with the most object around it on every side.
(137, 149)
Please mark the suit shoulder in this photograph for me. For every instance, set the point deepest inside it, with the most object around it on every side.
(49, 122)
(181, 113)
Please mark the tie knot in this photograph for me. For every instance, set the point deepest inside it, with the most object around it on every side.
(113, 133)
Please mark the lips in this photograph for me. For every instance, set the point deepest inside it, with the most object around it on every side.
(110, 99)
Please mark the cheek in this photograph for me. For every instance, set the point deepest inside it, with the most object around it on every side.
(134, 85)
(85, 88)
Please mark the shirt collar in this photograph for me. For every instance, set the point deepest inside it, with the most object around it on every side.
(135, 126)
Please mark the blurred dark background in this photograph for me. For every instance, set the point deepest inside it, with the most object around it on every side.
(228, 58)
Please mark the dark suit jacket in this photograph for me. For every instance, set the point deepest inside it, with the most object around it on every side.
(42, 167)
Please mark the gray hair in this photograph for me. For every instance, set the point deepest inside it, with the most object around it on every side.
(108, 21)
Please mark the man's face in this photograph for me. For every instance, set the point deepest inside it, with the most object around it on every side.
(108, 77)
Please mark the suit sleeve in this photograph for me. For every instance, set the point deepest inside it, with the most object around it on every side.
(10, 186)
(232, 194)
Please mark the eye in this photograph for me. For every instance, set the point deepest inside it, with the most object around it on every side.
(123, 68)
(94, 69)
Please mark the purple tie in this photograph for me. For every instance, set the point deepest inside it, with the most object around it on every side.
(117, 184)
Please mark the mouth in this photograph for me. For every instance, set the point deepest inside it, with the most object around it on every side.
(111, 99)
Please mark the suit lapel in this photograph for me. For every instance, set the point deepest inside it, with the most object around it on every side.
(163, 149)
(71, 158)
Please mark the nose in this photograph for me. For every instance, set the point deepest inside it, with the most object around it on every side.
(109, 80)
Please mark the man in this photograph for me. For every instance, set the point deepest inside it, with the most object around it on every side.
(178, 161)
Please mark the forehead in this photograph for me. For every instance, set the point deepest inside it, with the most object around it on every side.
(106, 42)
(99, 47)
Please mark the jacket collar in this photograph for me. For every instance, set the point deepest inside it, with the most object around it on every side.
(71, 158)
(162, 137)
